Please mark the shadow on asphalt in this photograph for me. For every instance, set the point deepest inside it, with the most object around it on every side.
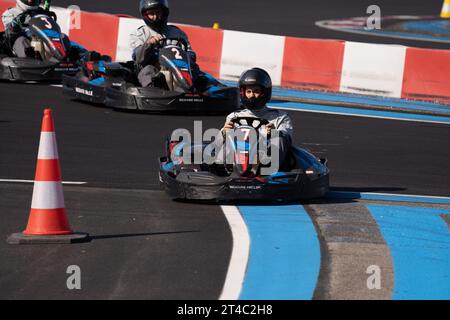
(368, 189)
(266, 203)
(325, 200)
(129, 235)
(206, 113)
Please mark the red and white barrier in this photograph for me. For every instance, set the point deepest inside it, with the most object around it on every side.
(329, 65)
(373, 69)
(312, 64)
(242, 50)
(427, 75)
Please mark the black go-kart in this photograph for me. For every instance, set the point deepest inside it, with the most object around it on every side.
(51, 53)
(303, 176)
(178, 87)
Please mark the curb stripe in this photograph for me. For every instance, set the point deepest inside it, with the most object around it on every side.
(284, 259)
(419, 241)
(239, 256)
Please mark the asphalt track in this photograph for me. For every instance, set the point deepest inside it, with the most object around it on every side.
(120, 149)
(144, 245)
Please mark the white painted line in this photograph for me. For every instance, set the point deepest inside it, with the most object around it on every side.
(239, 256)
(358, 115)
(388, 197)
(32, 181)
(407, 195)
(56, 85)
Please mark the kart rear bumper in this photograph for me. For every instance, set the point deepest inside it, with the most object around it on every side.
(25, 69)
(157, 100)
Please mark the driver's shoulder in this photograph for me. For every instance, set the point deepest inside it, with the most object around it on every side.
(12, 12)
(174, 30)
(142, 30)
(277, 113)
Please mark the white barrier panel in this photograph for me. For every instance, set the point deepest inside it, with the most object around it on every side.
(242, 50)
(63, 16)
(126, 27)
(373, 69)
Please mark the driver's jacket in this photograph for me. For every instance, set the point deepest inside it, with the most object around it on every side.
(281, 120)
(12, 29)
(139, 38)
(9, 15)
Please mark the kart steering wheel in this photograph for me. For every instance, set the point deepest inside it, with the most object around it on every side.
(175, 42)
(254, 122)
(21, 19)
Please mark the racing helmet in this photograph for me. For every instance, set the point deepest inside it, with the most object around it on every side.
(255, 77)
(26, 5)
(145, 5)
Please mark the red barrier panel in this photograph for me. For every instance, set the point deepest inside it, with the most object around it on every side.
(312, 64)
(98, 32)
(4, 5)
(427, 75)
(207, 43)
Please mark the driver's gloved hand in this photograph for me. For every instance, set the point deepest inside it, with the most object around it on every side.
(106, 58)
(93, 56)
(192, 56)
(22, 20)
(14, 28)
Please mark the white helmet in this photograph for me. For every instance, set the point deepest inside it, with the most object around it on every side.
(28, 4)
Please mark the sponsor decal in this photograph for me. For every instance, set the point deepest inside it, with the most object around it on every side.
(190, 99)
(84, 91)
(58, 69)
(244, 187)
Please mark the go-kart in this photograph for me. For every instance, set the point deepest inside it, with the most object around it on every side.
(302, 176)
(51, 53)
(179, 86)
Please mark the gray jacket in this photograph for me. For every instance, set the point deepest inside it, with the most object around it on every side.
(281, 120)
(139, 38)
(9, 15)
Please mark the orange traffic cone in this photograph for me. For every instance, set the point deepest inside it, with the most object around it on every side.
(48, 221)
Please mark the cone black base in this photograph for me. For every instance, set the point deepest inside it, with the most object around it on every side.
(20, 238)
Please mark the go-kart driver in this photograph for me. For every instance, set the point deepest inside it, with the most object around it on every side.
(145, 40)
(255, 88)
(14, 33)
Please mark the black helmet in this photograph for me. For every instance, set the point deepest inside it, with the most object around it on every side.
(145, 5)
(255, 77)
